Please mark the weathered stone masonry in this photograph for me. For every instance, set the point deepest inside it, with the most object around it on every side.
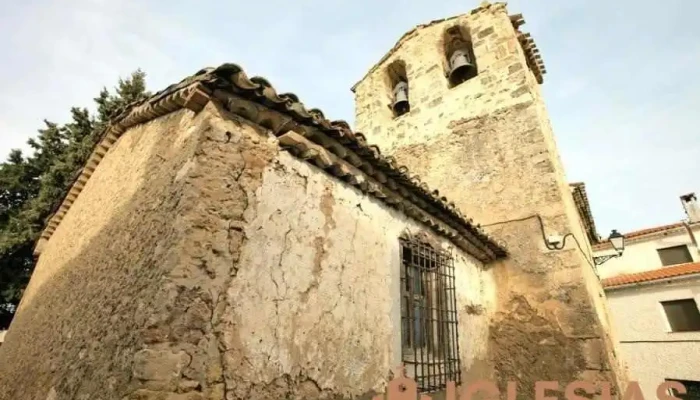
(225, 242)
(489, 145)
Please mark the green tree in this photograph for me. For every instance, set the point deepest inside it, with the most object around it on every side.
(31, 186)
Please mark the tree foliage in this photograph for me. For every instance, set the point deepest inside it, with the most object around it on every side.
(31, 186)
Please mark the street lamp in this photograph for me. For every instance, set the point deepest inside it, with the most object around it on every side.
(618, 243)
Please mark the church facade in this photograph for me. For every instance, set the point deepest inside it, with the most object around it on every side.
(225, 242)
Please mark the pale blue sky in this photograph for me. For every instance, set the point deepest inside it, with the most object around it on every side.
(623, 83)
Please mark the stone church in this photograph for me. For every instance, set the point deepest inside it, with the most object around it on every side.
(224, 241)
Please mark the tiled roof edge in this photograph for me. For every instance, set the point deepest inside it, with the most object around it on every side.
(646, 234)
(255, 99)
(645, 277)
(532, 53)
(192, 96)
(581, 201)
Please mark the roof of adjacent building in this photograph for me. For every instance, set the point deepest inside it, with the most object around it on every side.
(648, 233)
(584, 209)
(306, 133)
(532, 53)
(653, 275)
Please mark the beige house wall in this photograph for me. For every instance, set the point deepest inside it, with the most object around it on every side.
(488, 145)
(650, 351)
(641, 254)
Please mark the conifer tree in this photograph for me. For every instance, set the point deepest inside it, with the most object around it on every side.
(32, 185)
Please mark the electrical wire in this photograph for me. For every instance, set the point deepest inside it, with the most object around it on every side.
(544, 238)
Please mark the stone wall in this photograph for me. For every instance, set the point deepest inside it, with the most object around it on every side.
(100, 278)
(488, 145)
(202, 262)
(123, 302)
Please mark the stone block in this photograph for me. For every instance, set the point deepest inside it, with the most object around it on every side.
(164, 367)
(593, 353)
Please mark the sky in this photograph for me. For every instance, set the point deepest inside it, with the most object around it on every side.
(622, 88)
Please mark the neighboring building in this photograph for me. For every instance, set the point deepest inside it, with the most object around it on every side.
(224, 241)
(653, 292)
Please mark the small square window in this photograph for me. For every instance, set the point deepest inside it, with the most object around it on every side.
(675, 255)
(683, 315)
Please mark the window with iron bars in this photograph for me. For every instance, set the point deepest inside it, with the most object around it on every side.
(430, 349)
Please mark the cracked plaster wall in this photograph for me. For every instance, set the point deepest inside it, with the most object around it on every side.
(316, 299)
(487, 144)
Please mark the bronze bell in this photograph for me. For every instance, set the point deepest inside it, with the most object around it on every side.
(461, 67)
(401, 105)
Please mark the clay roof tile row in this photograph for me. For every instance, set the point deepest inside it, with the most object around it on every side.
(532, 53)
(638, 234)
(651, 276)
(230, 80)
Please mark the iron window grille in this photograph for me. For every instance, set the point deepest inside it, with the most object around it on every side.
(429, 331)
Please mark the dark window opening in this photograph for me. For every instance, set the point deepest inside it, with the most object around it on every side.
(398, 81)
(692, 390)
(461, 64)
(683, 315)
(430, 349)
(675, 255)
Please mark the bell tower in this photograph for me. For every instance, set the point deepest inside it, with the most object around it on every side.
(473, 124)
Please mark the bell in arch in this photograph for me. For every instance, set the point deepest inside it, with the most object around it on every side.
(461, 66)
(401, 105)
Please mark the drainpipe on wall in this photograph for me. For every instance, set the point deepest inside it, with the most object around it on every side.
(692, 237)
(692, 210)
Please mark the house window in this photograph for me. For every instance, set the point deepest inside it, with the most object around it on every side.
(675, 255)
(692, 390)
(683, 315)
(430, 350)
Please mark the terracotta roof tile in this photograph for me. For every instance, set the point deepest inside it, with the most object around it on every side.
(257, 100)
(654, 275)
(640, 233)
(584, 208)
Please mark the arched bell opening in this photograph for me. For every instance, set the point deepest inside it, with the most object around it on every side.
(398, 82)
(459, 53)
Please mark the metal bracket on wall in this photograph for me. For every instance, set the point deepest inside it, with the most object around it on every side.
(600, 260)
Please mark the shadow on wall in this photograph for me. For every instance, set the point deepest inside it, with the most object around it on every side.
(78, 336)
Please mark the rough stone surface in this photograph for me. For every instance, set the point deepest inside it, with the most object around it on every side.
(489, 145)
(128, 293)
